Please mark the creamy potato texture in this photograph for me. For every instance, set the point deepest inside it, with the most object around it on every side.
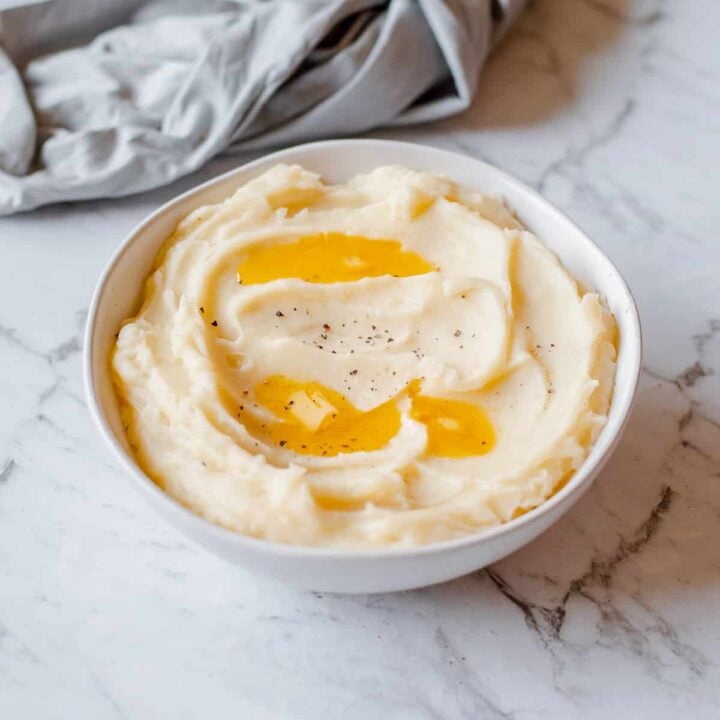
(394, 361)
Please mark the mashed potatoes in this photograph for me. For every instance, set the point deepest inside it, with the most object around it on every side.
(394, 361)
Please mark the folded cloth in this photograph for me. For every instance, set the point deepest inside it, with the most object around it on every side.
(103, 98)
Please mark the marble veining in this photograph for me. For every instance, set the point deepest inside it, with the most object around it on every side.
(609, 108)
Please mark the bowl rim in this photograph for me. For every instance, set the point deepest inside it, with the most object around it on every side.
(580, 480)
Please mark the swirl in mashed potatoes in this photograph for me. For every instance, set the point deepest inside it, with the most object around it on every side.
(394, 361)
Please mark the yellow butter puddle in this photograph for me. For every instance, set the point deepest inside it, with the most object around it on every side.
(455, 428)
(311, 419)
(330, 257)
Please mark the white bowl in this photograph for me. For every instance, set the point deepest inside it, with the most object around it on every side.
(117, 298)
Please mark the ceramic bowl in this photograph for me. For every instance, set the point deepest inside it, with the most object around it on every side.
(363, 571)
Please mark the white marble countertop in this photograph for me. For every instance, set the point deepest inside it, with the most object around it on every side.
(612, 110)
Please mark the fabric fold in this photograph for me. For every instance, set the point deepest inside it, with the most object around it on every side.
(126, 95)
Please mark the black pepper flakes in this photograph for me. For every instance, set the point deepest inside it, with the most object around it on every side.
(214, 323)
(278, 313)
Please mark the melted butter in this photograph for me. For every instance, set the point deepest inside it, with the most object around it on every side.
(330, 257)
(312, 419)
(315, 420)
(455, 428)
(422, 204)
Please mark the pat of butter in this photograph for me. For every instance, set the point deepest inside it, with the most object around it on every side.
(311, 410)
(448, 423)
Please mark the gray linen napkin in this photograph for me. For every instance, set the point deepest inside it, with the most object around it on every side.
(101, 98)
